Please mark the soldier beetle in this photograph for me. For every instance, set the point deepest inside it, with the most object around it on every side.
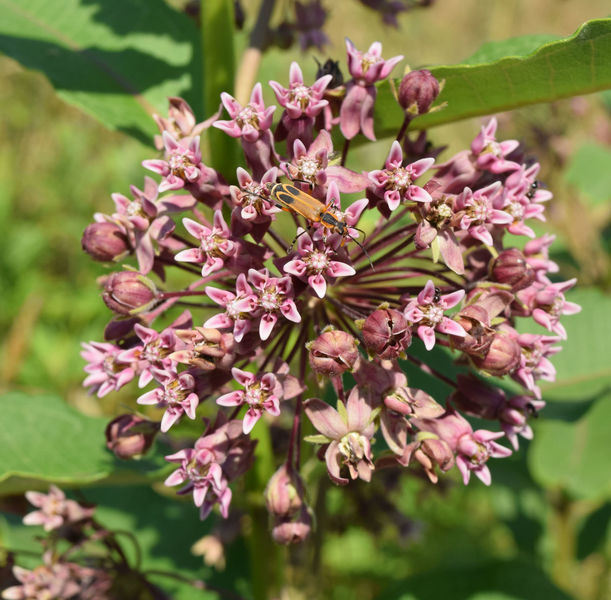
(292, 199)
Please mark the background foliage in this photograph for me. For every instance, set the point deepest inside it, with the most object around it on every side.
(543, 529)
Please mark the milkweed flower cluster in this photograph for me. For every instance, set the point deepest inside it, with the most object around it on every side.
(406, 257)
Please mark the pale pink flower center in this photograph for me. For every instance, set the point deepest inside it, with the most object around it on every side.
(353, 446)
(178, 163)
(270, 299)
(399, 179)
(479, 210)
(308, 168)
(301, 95)
(432, 313)
(316, 261)
(515, 209)
(247, 116)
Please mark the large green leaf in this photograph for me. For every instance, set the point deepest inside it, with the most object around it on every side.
(575, 65)
(502, 580)
(583, 367)
(118, 60)
(44, 438)
(575, 455)
(590, 172)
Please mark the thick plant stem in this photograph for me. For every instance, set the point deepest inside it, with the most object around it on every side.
(251, 59)
(218, 74)
(266, 559)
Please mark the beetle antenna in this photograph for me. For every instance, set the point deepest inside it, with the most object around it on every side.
(363, 249)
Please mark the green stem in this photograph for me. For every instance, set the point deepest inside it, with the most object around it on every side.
(218, 75)
(266, 560)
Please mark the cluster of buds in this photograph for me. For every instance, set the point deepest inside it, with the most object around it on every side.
(264, 314)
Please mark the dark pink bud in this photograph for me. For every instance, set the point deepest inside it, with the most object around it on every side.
(333, 352)
(474, 320)
(119, 328)
(502, 357)
(511, 268)
(417, 91)
(104, 241)
(413, 402)
(129, 292)
(284, 35)
(130, 436)
(283, 494)
(293, 531)
(386, 333)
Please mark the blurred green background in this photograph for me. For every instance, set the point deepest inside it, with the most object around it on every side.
(532, 534)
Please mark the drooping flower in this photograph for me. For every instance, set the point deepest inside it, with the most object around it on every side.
(346, 433)
(367, 68)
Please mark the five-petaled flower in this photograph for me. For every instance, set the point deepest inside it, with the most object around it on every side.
(427, 311)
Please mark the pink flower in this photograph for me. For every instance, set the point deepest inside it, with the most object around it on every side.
(261, 394)
(490, 154)
(347, 434)
(145, 220)
(312, 165)
(219, 456)
(106, 372)
(273, 296)
(204, 478)
(475, 212)
(356, 113)
(534, 361)
(238, 308)
(54, 509)
(396, 182)
(252, 198)
(215, 244)
(298, 99)
(315, 264)
(155, 350)
(183, 164)
(176, 394)
(248, 121)
(427, 310)
(472, 448)
(547, 304)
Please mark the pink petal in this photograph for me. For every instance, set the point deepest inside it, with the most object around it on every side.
(451, 327)
(325, 419)
(266, 325)
(318, 284)
(427, 335)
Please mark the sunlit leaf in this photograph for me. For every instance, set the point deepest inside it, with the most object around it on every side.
(567, 67)
(118, 60)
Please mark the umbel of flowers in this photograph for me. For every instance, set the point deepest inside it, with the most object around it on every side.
(224, 317)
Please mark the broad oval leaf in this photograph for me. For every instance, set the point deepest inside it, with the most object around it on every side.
(44, 438)
(567, 67)
(574, 456)
(583, 367)
(117, 60)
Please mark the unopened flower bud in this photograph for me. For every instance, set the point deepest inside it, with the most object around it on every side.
(417, 91)
(511, 268)
(284, 492)
(293, 531)
(130, 436)
(129, 292)
(104, 241)
(333, 352)
(502, 357)
(413, 402)
(386, 333)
